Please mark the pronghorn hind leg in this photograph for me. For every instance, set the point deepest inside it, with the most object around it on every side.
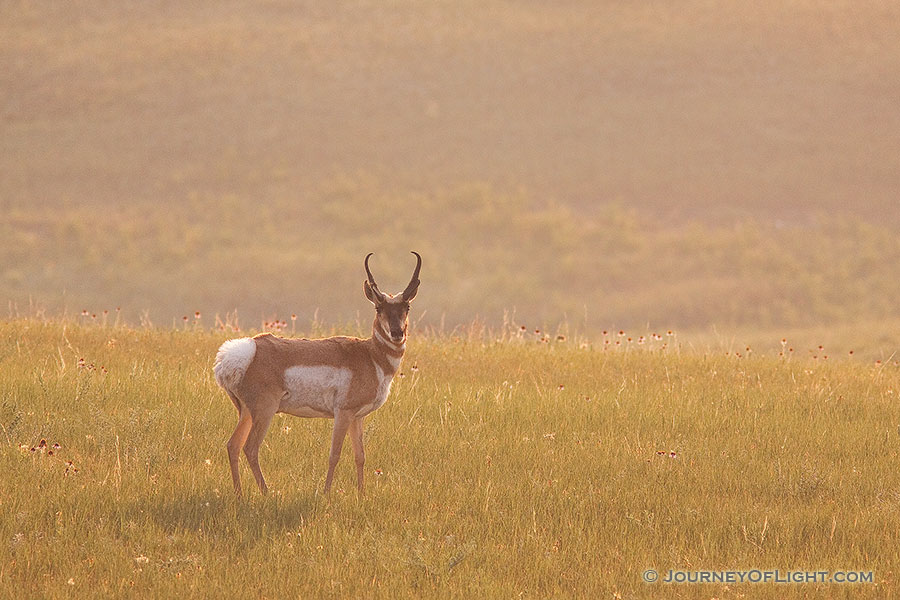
(359, 454)
(261, 422)
(235, 444)
(342, 422)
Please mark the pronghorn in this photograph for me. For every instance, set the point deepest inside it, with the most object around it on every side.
(339, 378)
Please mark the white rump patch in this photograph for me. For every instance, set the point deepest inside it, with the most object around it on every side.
(315, 391)
(232, 361)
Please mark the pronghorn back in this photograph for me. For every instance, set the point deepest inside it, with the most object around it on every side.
(302, 375)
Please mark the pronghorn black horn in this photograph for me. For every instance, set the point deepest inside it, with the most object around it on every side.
(410, 291)
(368, 272)
(372, 283)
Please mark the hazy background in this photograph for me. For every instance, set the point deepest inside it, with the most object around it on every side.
(607, 164)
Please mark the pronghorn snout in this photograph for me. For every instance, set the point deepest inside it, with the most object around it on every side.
(397, 335)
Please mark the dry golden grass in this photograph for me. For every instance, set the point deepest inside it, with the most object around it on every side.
(496, 469)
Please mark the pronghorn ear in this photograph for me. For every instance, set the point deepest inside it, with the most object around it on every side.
(371, 294)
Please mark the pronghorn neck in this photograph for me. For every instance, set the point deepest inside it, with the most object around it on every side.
(382, 341)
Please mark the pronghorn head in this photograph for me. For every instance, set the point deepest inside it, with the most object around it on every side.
(392, 312)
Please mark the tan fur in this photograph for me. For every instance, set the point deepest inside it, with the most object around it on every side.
(342, 378)
(274, 355)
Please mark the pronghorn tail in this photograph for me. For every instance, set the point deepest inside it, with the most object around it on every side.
(232, 361)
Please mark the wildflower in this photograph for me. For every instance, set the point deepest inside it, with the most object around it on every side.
(85, 313)
(621, 333)
(523, 328)
(208, 462)
(672, 454)
(560, 338)
(415, 367)
(379, 472)
(197, 314)
(561, 387)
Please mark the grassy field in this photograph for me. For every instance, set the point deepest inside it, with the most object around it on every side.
(501, 466)
(727, 171)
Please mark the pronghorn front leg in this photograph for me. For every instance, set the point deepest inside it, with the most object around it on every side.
(342, 421)
(359, 454)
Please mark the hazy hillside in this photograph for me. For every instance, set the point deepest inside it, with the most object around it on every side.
(484, 251)
(679, 107)
(682, 164)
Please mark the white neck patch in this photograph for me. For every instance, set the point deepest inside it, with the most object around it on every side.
(397, 347)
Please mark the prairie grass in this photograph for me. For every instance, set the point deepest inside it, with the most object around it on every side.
(508, 468)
